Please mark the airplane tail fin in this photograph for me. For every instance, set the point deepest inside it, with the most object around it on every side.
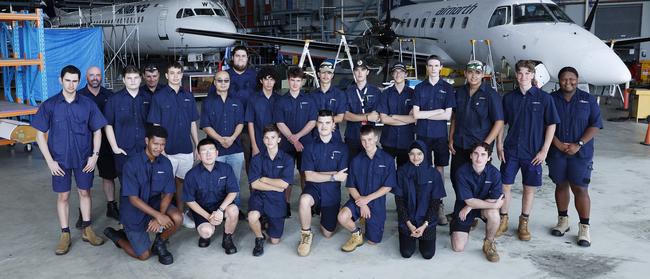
(49, 9)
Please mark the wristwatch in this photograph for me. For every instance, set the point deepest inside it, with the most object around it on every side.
(332, 179)
(221, 209)
(581, 143)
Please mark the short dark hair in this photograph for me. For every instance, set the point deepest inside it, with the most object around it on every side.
(70, 69)
(295, 72)
(325, 112)
(485, 146)
(567, 69)
(267, 71)
(150, 68)
(238, 48)
(367, 129)
(528, 64)
(433, 57)
(130, 69)
(270, 128)
(205, 141)
(174, 65)
(156, 131)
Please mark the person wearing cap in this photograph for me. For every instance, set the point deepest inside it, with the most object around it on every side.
(531, 117)
(477, 117)
(329, 97)
(395, 106)
(433, 103)
(570, 159)
(362, 105)
(151, 75)
(417, 198)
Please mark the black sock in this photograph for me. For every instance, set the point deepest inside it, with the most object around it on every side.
(563, 213)
(65, 230)
(85, 224)
(584, 221)
(112, 202)
(525, 215)
(503, 214)
(306, 230)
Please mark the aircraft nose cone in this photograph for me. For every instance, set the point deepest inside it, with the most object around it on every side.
(603, 67)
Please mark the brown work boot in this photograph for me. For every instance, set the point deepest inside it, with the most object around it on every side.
(584, 239)
(561, 227)
(522, 230)
(64, 244)
(503, 226)
(490, 251)
(88, 235)
(305, 243)
(356, 240)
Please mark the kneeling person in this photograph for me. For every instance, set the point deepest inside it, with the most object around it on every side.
(210, 189)
(480, 189)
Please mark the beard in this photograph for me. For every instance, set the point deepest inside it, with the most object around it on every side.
(238, 68)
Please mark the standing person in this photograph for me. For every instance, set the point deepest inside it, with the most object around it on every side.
(480, 192)
(210, 191)
(73, 125)
(417, 197)
(570, 158)
(531, 118)
(174, 109)
(151, 75)
(371, 177)
(362, 105)
(271, 172)
(259, 110)
(106, 163)
(329, 97)
(395, 109)
(325, 163)
(146, 202)
(478, 117)
(432, 106)
(295, 117)
(222, 119)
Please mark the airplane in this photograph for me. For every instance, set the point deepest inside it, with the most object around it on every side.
(517, 29)
(156, 21)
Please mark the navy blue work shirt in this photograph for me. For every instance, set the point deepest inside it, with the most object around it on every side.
(334, 100)
(428, 97)
(145, 88)
(576, 115)
(146, 180)
(128, 116)
(223, 117)
(326, 157)
(475, 115)
(70, 128)
(209, 188)
(369, 175)
(259, 111)
(280, 167)
(472, 185)
(295, 113)
(419, 186)
(175, 112)
(101, 99)
(360, 101)
(527, 117)
(242, 86)
(395, 103)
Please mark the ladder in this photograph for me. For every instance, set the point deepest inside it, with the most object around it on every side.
(489, 62)
(413, 67)
(305, 54)
(346, 50)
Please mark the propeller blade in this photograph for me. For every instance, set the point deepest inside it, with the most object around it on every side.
(592, 15)
(389, 6)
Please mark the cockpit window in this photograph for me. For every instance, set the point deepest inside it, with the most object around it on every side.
(559, 14)
(205, 12)
(500, 16)
(188, 13)
(219, 12)
(528, 13)
(179, 14)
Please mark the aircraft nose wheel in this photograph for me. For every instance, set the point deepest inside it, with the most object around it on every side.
(28, 147)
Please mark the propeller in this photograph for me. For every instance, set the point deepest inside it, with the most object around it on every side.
(592, 15)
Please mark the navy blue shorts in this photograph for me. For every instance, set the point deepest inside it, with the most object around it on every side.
(440, 149)
(62, 184)
(198, 219)
(329, 213)
(575, 170)
(531, 174)
(374, 230)
(276, 224)
(457, 225)
(139, 240)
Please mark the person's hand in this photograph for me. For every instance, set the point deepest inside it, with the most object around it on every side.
(365, 211)
(153, 226)
(361, 201)
(228, 141)
(501, 154)
(164, 221)
(463, 213)
(255, 150)
(215, 219)
(451, 147)
(341, 175)
(118, 151)
(411, 227)
(373, 117)
(539, 158)
(293, 139)
(91, 163)
(55, 169)
(499, 202)
(571, 148)
(298, 146)
(196, 155)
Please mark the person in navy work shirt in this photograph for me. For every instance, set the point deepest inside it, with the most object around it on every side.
(270, 174)
(105, 163)
(329, 97)
(151, 75)
(73, 125)
(417, 198)
(259, 110)
(531, 117)
(146, 202)
(478, 117)
(481, 195)
(210, 190)
(433, 102)
(174, 109)
(395, 109)
(325, 164)
(222, 119)
(371, 176)
(570, 159)
(362, 105)
(295, 116)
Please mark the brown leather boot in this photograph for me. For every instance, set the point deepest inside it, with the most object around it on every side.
(490, 251)
(64, 244)
(88, 235)
(503, 226)
(522, 230)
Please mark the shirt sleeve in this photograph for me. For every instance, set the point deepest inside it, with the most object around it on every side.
(402, 180)
(255, 168)
(155, 111)
(239, 115)
(249, 115)
(96, 119)
(341, 103)
(438, 190)
(351, 182)
(278, 112)
(308, 159)
(129, 181)
(195, 111)
(496, 107)
(287, 171)
(391, 176)
(232, 185)
(550, 112)
(190, 187)
(497, 186)
(343, 163)
(109, 111)
(463, 187)
(450, 102)
(41, 120)
(595, 119)
(382, 105)
(206, 110)
(170, 181)
(416, 97)
(313, 110)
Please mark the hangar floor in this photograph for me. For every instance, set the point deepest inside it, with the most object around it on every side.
(620, 233)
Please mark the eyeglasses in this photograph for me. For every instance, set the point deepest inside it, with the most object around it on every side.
(223, 80)
(208, 151)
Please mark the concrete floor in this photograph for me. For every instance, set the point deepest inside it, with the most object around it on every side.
(620, 233)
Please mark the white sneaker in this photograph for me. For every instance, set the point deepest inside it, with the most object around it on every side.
(187, 220)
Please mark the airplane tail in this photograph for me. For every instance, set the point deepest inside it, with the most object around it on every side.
(49, 9)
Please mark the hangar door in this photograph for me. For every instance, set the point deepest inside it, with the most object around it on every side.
(620, 21)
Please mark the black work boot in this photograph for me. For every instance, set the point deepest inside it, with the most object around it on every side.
(259, 246)
(114, 235)
(204, 242)
(160, 248)
(228, 244)
(79, 224)
(112, 211)
(288, 215)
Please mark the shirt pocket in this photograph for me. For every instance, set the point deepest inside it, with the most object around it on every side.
(480, 106)
(123, 113)
(582, 110)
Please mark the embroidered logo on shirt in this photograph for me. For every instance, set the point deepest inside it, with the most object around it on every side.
(481, 98)
(234, 105)
(584, 102)
(488, 181)
(223, 177)
(382, 166)
(145, 102)
(186, 100)
(159, 172)
(279, 167)
(536, 103)
(334, 153)
(442, 91)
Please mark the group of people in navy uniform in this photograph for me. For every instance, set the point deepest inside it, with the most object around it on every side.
(146, 135)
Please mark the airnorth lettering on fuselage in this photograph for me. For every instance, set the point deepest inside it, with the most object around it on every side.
(465, 10)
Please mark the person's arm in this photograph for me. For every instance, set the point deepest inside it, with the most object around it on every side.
(238, 129)
(251, 132)
(198, 209)
(307, 129)
(353, 117)
(228, 200)
(548, 138)
(483, 204)
(500, 151)
(379, 193)
(432, 210)
(558, 144)
(339, 118)
(194, 130)
(278, 183)
(436, 114)
(452, 132)
(325, 176)
(213, 134)
(263, 186)
(402, 215)
(284, 129)
(394, 120)
(54, 167)
(97, 143)
(110, 136)
(494, 132)
(354, 193)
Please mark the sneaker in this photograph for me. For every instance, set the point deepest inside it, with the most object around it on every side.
(522, 230)
(88, 235)
(561, 227)
(259, 246)
(442, 218)
(114, 235)
(79, 223)
(204, 242)
(356, 240)
(64, 244)
(305, 243)
(187, 220)
(228, 245)
(160, 248)
(503, 226)
(490, 251)
(112, 211)
(584, 239)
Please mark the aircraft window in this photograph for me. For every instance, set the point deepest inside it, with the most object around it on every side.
(179, 14)
(188, 13)
(408, 23)
(433, 22)
(559, 14)
(465, 22)
(120, 11)
(207, 12)
(500, 16)
(128, 10)
(402, 23)
(453, 20)
(442, 23)
(424, 20)
(219, 12)
(415, 23)
(528, 13)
